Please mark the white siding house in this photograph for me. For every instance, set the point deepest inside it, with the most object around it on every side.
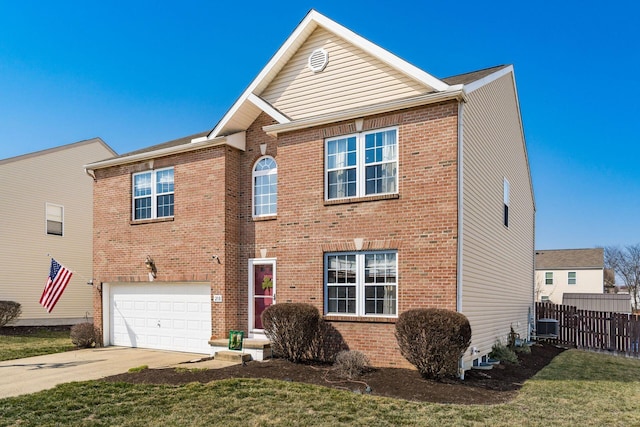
(47, 209)
(570, 271)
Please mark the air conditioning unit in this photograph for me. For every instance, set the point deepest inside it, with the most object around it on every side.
(547, 327)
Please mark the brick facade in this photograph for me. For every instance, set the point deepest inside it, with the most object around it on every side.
(213, 216)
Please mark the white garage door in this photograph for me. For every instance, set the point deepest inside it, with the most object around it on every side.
(172, 316)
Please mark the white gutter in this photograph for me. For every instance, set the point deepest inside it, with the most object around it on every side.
(236, 140)
(454, 92)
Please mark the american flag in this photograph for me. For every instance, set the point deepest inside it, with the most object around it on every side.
(58, 278)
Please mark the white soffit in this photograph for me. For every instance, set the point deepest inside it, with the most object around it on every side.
(230, 123)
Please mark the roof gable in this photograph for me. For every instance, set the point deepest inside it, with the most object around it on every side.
(352, 78)
(244, 111)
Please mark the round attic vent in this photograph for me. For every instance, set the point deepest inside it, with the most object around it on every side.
(318, 60)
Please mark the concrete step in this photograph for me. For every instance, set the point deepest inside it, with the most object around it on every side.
(259, 349)
(232, 356)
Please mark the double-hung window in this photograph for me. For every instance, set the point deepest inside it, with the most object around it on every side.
(363, 164)
(361, 283)
(548, 278)
(153, 194)
(571, 277)
(55, 219)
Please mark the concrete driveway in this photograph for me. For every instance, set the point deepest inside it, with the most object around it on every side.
(32, 374)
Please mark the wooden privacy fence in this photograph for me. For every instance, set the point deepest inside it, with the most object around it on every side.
(592, 330)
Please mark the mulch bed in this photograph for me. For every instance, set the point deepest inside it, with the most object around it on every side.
(497, 385)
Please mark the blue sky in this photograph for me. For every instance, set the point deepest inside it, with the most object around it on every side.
(138, 73)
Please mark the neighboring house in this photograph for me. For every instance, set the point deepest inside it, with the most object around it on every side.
(47, 199)
(343, 177)
(617, 303)
(573, 271)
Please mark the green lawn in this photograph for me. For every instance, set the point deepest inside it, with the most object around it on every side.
(45, 342)
(577, 388)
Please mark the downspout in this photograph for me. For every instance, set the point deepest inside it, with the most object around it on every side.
(460, 219)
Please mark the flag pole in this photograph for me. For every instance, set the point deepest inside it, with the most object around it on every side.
(89, 281)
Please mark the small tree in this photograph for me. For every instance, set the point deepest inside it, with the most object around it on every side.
(626, 264)
(9, 311)
(433, 340)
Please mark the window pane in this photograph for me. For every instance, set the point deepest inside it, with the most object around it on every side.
(380, 299)
(54, 227)
(165, 205)
(143, 208)
(342, 183)
(142, 184)
(164, 181)
(341, 299)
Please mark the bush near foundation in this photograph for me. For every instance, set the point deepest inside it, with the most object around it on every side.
(433, 340)
(291, 328)
(83, 335)
(350, 364)
(9, 311)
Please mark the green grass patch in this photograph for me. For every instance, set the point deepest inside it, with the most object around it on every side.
(577, 388)
(37, 344)
(139, 368)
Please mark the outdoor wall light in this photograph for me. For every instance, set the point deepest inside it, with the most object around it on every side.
(151, 267)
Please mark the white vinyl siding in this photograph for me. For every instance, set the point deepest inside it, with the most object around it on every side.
(25, 243)
(351, 79)
(574, 281)
(497, 276)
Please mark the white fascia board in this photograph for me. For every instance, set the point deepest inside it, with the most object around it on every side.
(488, 79)
(297, 33)
(430, 98)
(183, 148)
(382, 54)
(268, 108)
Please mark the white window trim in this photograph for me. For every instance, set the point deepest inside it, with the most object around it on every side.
(545, 278)
(46, 219)
(360, 285)
(361, 182)
(255, 174)
(154, 194)
(575, 278)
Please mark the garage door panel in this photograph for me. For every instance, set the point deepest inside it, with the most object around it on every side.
(161, 316)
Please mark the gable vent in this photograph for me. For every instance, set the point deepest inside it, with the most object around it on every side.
(318, 60)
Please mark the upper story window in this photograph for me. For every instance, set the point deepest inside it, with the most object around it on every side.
(153, 194)
(362, 164)
(505, 195)
(361, 283)
(55, 219)
(571, 277)
(265, 187)
(548, 278)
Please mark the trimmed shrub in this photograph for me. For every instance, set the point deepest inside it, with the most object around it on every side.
(9, 311)
(350, 364)
(291, 328)
(433, 340)
(83, 335)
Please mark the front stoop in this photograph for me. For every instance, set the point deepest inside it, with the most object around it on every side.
(256, 349)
